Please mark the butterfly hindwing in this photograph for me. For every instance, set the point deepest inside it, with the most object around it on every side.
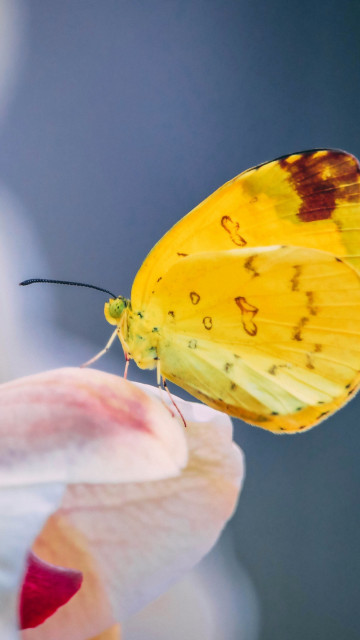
(271, 335)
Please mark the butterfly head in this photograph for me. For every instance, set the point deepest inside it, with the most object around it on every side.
(115, 308)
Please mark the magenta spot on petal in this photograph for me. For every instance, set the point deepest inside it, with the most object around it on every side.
(45, 589)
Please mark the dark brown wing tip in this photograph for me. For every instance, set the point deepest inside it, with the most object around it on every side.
(307, 152)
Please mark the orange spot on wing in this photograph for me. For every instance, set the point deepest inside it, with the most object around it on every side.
(248, 313)
(297, 335)
(194, 297)
(232, 228)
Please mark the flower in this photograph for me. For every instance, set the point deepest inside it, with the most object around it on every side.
(97, 477)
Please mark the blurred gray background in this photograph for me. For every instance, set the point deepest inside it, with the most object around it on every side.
(125, 115)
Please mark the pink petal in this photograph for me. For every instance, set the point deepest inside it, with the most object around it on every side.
(132, 541)
(72, 426)
(44, 590)
(83, 425)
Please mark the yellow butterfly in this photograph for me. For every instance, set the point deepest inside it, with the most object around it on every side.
(251, 302)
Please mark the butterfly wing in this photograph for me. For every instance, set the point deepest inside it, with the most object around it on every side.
(308, 199)
(270, 335)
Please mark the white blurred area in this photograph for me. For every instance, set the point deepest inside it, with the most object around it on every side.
(216, 601)
(30, 341)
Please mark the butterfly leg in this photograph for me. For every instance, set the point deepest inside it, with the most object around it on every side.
(173, 401)
(161, 379)
(158, 373)
(158, 380)
(127, 360)
(103, 351)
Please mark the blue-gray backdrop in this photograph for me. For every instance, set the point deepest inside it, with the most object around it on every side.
(126, 115)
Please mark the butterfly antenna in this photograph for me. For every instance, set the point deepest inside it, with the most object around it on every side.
(72, 284)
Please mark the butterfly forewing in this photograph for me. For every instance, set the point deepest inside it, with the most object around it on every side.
(308, 199)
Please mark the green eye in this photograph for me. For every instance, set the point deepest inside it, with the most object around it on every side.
(116, 307)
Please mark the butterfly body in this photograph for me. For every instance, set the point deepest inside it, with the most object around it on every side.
(137, 330)
(252, 301)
